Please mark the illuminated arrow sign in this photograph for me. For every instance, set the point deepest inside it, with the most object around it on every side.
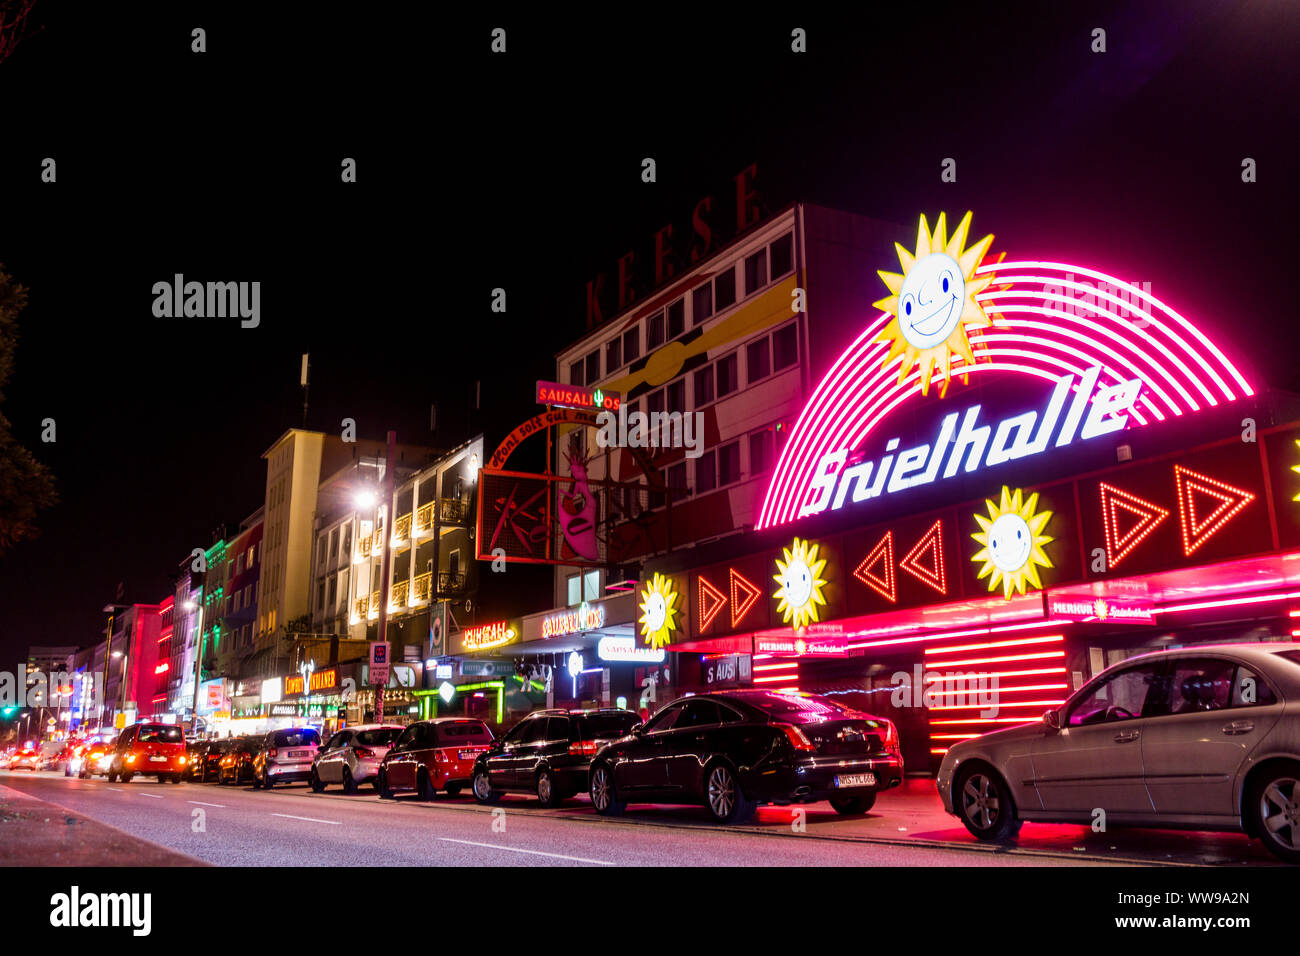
(930, 546)
(883, 583)
(711, 602)
(744, 594)
(1199, 527)
(1149, 516)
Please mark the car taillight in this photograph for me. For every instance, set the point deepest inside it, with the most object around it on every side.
(891, 736)
(583, 748)
(441, 756)
(245, 757)
(796, 737)
(273, 752)
(363, 752)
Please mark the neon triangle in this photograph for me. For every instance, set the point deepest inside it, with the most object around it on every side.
(931, 544)
(740, 585)
(709, 611)
(1120, 542)
(1199, 526)
(885, 584)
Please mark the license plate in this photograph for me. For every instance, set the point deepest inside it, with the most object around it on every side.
(299, 753)
(158, 759)
(468, 754)
(856, 780)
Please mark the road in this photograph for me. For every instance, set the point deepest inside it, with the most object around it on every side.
(238, 826)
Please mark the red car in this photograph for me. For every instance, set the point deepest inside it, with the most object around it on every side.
(25, 759)
(155, 750)
(433, 755)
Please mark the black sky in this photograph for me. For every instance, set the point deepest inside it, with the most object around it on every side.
(522, 171)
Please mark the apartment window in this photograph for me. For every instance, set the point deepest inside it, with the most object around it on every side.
(758, 360)
(332, 597)
(632, 344)
(593, 367)
(654, 402)
(589, 583)
(575, 373)
(703, 385)
(724, 289)
(728, 375)
(677, 395)
(252, 553)
(729, 464)
(614, 354)
(702, 303)
(706, 472)
(675, 478)
(782, 255)
(347, 541)
(654, 332)
(785, 346)
(676, 318)
(760, 450)
(320, 551)
(320, 596)
(756, 272)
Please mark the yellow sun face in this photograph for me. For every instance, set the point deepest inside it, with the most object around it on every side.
(933, 301)
(1013, 543)
(1296, 468)
(658, 611)
(799, 583)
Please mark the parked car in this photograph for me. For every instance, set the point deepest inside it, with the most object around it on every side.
(285, 756)
(206, 758)
(352, 756)
(97, 757)
(49, 751)
(1204, 738)
(236, 763)
(548, 753)
(28, 758)
(433, 755)
(148, 749)
(732, 751)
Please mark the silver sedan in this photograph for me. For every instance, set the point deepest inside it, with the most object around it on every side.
(1204, 738)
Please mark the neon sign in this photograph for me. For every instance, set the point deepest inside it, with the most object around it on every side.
(799, 583)
(1013, 542)
(658, 611)
(320, 680)
(575, 396)
(626, 649)
(487, 635)
(801, 646)
(1047, 321)
(585, 617)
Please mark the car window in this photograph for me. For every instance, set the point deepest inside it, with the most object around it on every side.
(667, 718)
(305, 737)
(700, 713)
(408, 735)
(558, 728)
(535, 731)
(1250, 690)
(1135, 692)
(159, 733)
(1200, 684)
(381, 737)
(606, 726)
(464, 732)
(336, 741)
(728, 715)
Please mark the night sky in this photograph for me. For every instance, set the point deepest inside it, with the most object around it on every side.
(522, 171)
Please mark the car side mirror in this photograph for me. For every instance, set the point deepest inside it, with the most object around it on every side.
(1052, 719)
(638, 730)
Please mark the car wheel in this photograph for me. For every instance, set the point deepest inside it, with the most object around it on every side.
(314, 781)
(984, 804)
(424, 787)
(1276, 807)
(548, 792)
(267, 781)
(483, 791)
(349, 785)
(112, 775)
(722, 795)
(454, 789)
(381, 783)
(176, 778)
(127, 777)
(856, 804)
(603, 796)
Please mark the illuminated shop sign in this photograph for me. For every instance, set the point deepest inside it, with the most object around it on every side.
(584, 617)
(1113, 355)
(659, 611)
(272, 690)
(486, 636)
(283, 710)
(802, 645)
(575, 396)
(1100, 609)
(320, 680)
(626, 649)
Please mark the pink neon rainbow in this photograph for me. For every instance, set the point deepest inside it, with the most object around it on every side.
(1039, 330)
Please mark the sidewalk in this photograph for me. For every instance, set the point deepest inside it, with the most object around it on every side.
(36, 833)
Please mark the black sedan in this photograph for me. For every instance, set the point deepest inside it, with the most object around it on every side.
(732, 751)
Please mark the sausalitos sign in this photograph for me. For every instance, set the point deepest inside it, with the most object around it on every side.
(1113, 356)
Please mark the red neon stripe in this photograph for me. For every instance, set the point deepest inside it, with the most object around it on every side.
(1051, 639)
(1041, 655)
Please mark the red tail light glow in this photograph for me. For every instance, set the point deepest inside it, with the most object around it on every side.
(273, 753)
(583, 748)
(363, 752)
(796, 737)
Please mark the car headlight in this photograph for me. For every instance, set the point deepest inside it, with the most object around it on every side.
(180, 760)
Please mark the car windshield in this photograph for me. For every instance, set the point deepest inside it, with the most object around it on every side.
(607, 726)
(1292, 656)
(160, 734)
(382, 737)
(305, 737)
(800, 708)
(466, 732)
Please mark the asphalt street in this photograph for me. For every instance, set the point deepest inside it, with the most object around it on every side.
(238, 826)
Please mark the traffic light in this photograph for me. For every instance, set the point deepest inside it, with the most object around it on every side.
(7, 712)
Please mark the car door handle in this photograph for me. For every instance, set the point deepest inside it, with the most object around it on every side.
(1238, 727)
(1127, 736)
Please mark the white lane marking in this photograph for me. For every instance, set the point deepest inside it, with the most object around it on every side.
(219, 806)
(114, 789)
(514, 849)
(290, 816)
(151, 796)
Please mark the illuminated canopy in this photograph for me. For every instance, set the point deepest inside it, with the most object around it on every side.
(1049, 320)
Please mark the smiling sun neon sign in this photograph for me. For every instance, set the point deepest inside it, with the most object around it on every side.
(1114, 356)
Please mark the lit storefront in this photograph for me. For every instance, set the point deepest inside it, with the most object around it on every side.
(981, 507)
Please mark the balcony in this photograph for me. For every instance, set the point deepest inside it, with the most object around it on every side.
(363, 550)
(451, 582)
(374, 606)
(377, 539)
(424, 519)
(420, 591)
(397, 596)
(453, 510)
(402, 529)
(358, 611)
